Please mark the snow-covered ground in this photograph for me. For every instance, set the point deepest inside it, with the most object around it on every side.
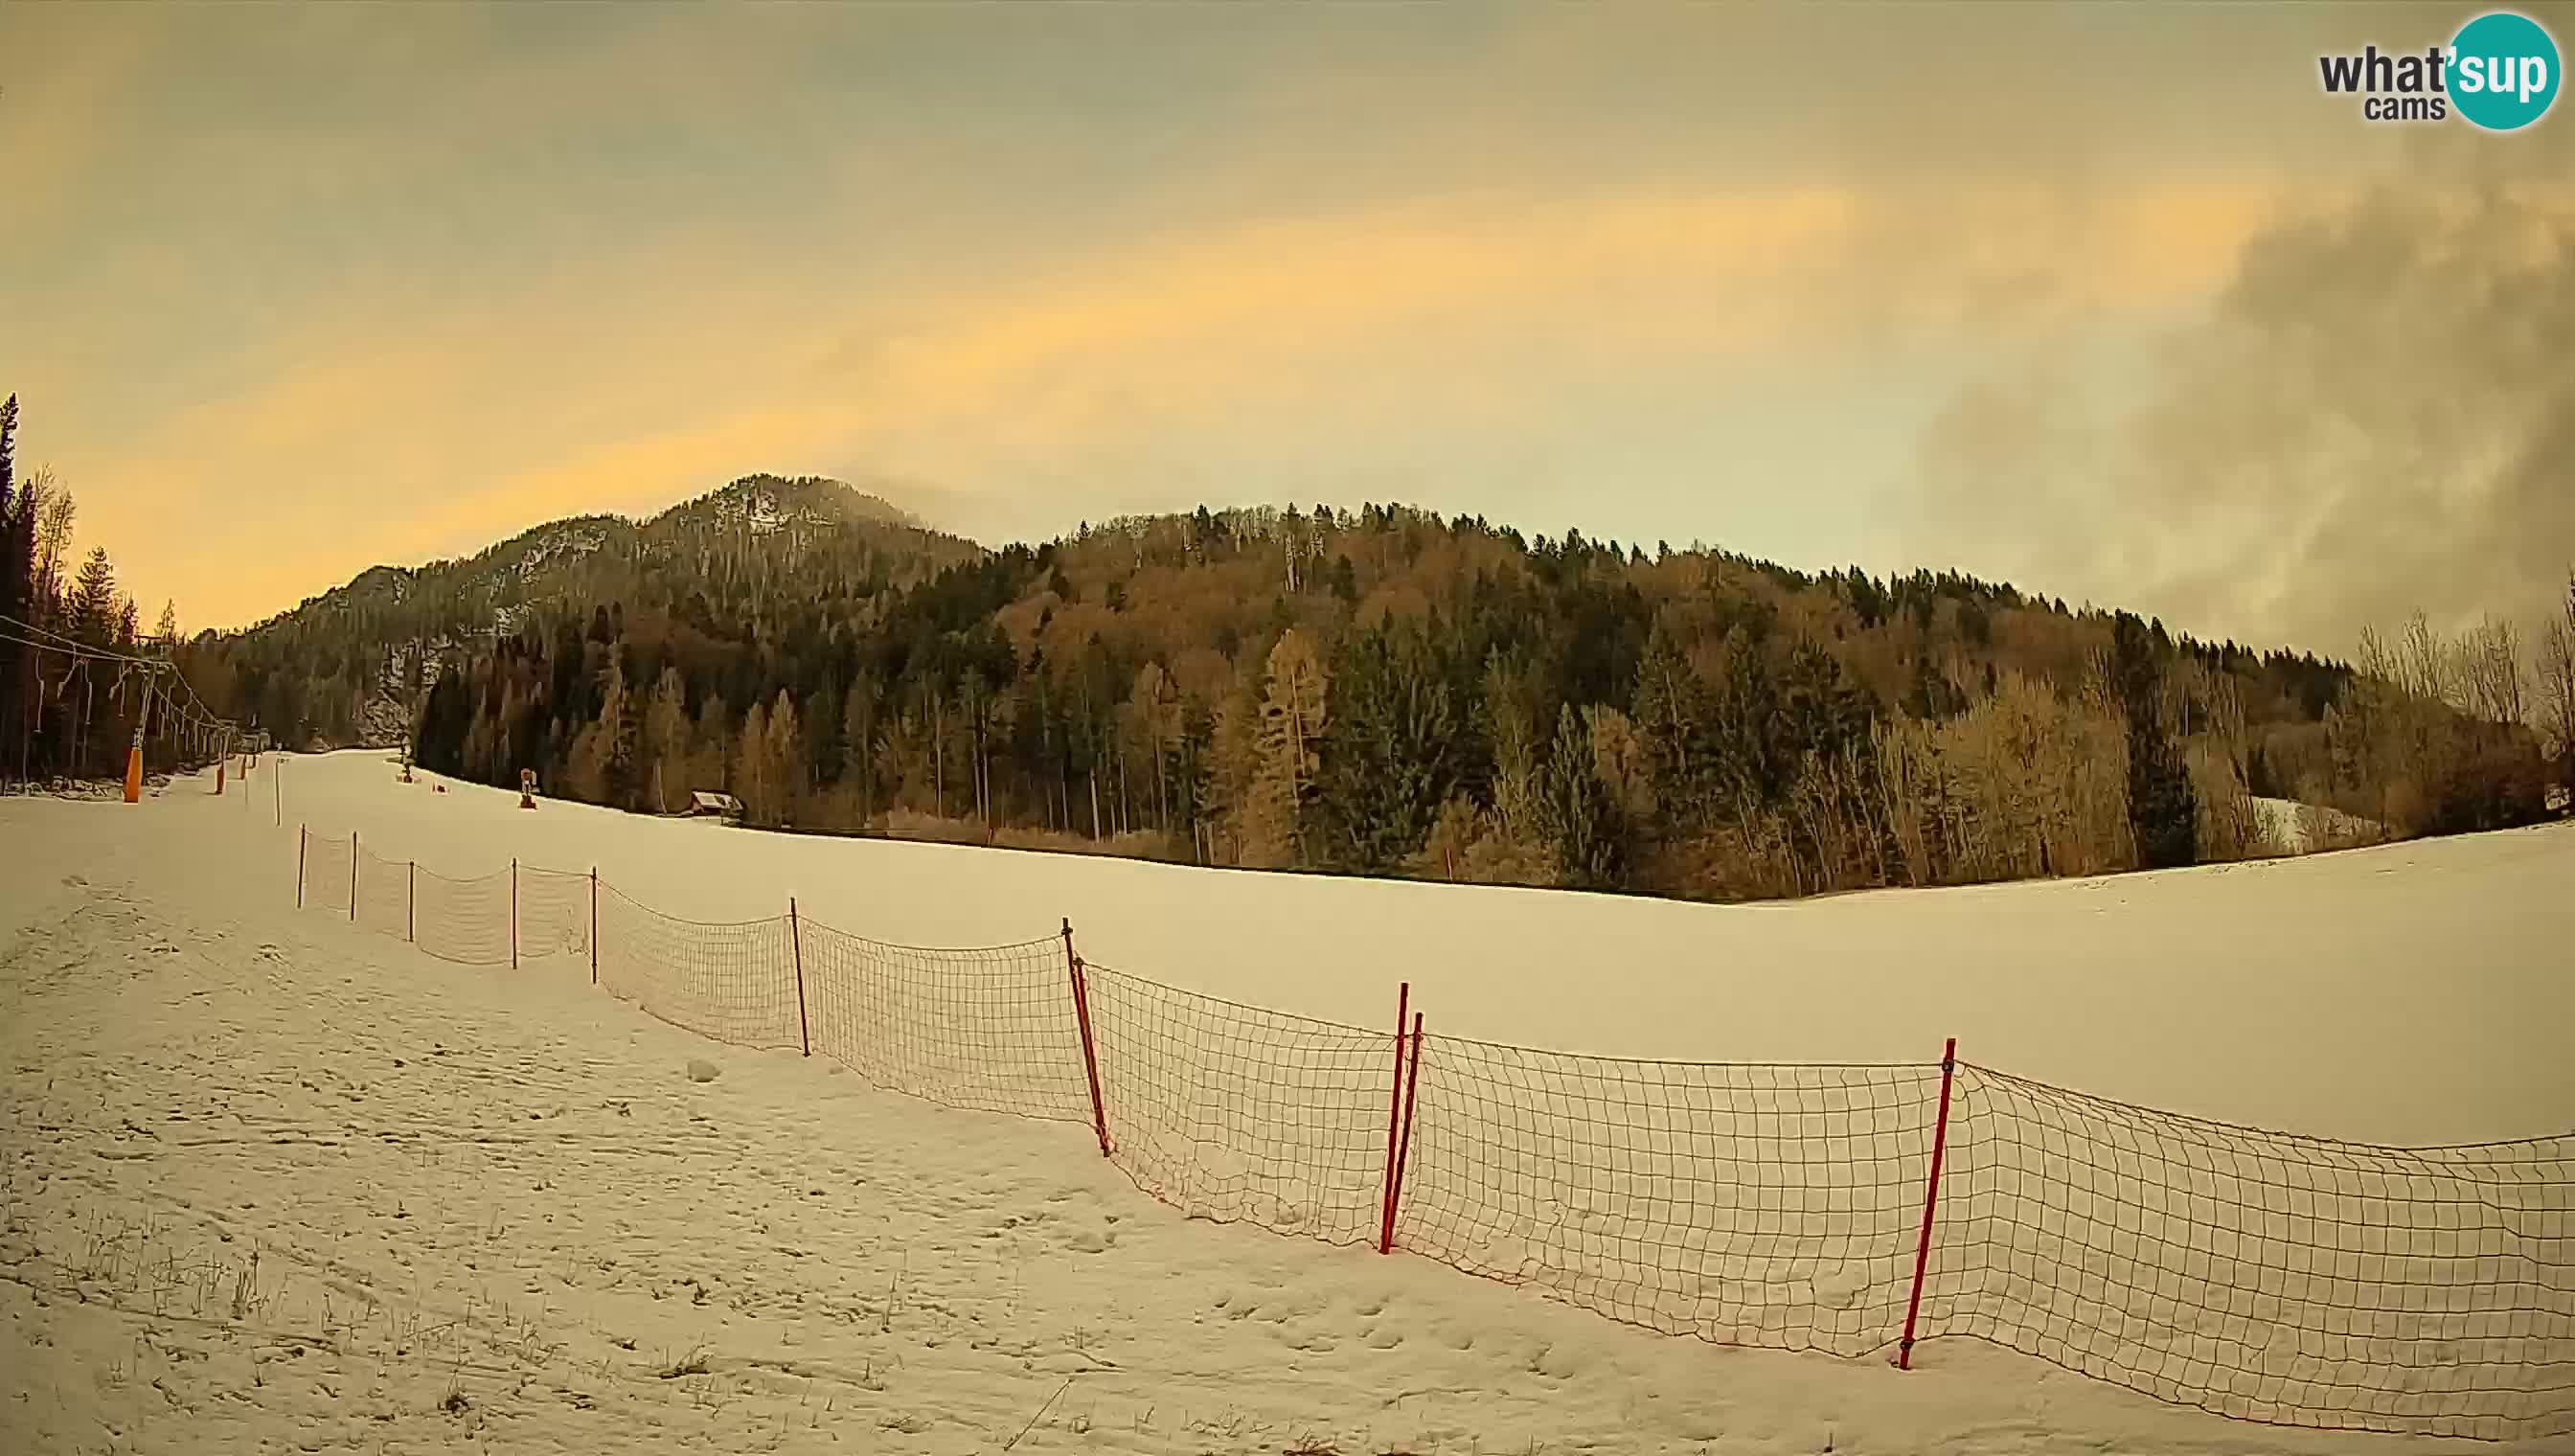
(271, 1182)
(2408, 993)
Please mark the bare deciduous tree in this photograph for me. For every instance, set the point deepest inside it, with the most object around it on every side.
(2557, 688)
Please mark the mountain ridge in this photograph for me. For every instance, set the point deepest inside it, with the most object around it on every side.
(758, 504)
(1382, 690)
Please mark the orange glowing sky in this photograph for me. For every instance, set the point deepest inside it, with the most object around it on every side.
(285, 292)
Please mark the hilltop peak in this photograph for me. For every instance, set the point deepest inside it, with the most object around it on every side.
(764, 501)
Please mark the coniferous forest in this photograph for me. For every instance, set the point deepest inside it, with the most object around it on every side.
(1377, 692)
(1380, 692)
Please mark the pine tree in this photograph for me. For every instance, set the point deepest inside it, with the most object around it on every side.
(166, 629)
(94, 612)
(1670, 718)
(1390, 759)
(1510, 710)
(619, 725)
(859, 743)
(752, 782)
(1293, 721)
(2163, 810)
(666, 741)
(784, 761)
(1578, 817)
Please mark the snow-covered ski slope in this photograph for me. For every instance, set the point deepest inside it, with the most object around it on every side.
(198, 1073)
(2411, 993)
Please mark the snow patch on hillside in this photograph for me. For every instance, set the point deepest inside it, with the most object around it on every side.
(2306, 828)
(567, 542)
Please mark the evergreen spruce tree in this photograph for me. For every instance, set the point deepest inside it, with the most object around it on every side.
(666, 744)
(95, 617)
(619, 726)
(784, 761)
(752, 781)
(2163, 812)
(1390, 758)
(1578, 816)
(1293, 718)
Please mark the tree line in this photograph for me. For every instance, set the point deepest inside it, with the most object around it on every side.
(1386, 691)
(64, 712)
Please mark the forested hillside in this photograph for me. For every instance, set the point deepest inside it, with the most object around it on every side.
(1384, 691)
(353, 664)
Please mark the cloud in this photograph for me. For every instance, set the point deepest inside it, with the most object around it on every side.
(401, 425)
(2376, 415)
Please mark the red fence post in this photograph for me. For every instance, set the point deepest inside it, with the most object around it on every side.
(1394, 1121)
(411, 904)
(795, 937)
(1090, 1050)
(353, 876)
(513, 914)
(593, 924)
(1404, 1146)
(299, 867)
(1930, 1201)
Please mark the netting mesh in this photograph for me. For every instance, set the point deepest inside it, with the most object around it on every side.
(731, 982)
(2263, 1276)
(463, 920)
(325, 867)
(988, 1030)
(384, 895)
(1238, 1114)
(553, 914)
(1745, 1204)
(2266, 1276)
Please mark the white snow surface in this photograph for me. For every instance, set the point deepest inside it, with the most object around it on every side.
(2406, 993)
(269, 1182)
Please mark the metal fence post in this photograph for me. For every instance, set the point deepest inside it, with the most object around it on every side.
(795, 939)
(1090, 1050)
(1394, 1121)
(1930, 1201)
(1403, 1144)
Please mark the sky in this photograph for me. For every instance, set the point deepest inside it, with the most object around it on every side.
(2108, 301)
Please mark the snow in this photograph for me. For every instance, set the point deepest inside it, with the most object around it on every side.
(2285, 994)
(2304, 828)
(564, 541)
(268, 1181)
